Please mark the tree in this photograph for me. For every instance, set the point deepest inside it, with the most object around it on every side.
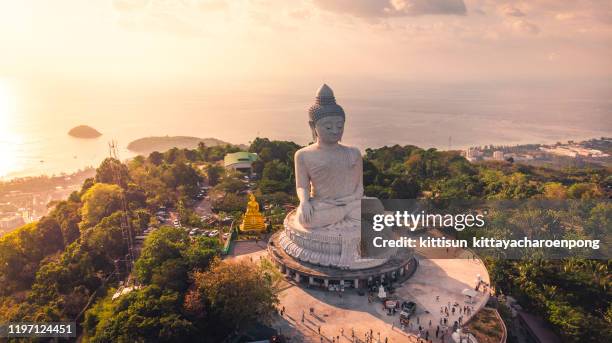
(230, 203)
(237, 293)
(156, 158)
(112, 171)
(214, 173)
(68, 217)
(98, 202)
(183, 178)
(163, 244)
(150, 314)
(584, 190)
(554, 190)
(231, 185)
(404, 188)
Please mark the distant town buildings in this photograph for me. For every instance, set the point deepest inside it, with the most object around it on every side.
(473, 154)
(11, 220)
(594, 150)
(240, 161)
(573, 151)
(498, 155)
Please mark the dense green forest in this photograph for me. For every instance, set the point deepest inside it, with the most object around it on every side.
(70, 260)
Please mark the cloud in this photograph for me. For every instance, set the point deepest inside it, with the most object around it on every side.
(511, 11)
(393, 8)
(565, 16)
(129, 5)
(299, 14)
(523, 26)
(212, 5)
(553, 56)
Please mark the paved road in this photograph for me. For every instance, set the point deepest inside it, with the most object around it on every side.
(204, 207)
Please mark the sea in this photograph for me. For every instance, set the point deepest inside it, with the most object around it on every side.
(34, 124)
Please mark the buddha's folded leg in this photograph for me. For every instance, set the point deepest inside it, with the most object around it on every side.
(324, 216)
(327, 215)
(354, 211)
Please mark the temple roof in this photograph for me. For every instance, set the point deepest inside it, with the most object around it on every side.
(238, 157)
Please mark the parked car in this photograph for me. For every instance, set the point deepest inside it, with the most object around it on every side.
(213, 233)
(408, 307)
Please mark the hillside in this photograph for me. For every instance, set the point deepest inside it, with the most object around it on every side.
(147, 145)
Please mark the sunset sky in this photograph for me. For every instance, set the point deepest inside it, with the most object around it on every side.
(217, 41)
(407, 71)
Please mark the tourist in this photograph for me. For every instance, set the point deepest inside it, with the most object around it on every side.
(453, 311)
(430, 323)
(319, 329)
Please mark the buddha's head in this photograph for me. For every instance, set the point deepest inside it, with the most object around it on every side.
(326, 117)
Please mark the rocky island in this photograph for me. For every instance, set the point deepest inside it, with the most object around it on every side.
(84, 131)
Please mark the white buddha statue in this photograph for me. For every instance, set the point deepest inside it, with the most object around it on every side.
(328, 175)
(325, 228)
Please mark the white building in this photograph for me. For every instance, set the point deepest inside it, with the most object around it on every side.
(473, 154)
(498, 155)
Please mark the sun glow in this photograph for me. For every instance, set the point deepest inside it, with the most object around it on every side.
(8, 139)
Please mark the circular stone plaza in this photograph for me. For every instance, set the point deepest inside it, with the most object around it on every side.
(432, 282)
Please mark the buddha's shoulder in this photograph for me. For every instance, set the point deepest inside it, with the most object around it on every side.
(352, 149)
(306, 151)
(312, 151)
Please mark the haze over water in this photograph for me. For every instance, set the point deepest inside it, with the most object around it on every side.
(35, 120)
(406, 72)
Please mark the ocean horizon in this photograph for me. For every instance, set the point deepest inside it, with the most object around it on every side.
(442, 117)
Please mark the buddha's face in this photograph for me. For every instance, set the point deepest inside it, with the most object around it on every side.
(329, 130)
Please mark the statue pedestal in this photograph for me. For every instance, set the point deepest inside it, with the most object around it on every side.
(398, 268)
(336, 245)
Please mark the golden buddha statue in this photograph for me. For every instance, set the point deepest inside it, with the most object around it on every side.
(253, 220)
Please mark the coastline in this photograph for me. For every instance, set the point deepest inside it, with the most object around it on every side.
(128, 154)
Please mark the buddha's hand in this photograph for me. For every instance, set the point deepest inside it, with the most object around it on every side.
(305, 212)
